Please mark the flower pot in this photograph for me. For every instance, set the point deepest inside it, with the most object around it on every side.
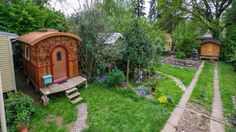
(23, 129)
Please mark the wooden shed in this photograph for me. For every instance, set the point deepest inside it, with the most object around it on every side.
(49, 52)
(210, 48)
(6, 61)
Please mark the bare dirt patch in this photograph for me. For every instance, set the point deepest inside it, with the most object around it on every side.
(193, 122)
(57, 119)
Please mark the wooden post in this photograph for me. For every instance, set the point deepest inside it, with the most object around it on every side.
(2, 109)
(127, 72)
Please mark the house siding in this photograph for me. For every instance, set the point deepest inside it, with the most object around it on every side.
(6, 64)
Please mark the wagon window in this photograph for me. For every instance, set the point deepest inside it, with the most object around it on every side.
(27, 52)
(58, 56)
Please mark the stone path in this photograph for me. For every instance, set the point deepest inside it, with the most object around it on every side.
(172, 122)
(80, 124)
(177, 81)
(217, 105)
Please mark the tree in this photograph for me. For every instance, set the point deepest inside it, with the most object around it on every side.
(139, 8)
(228, 51)
(23, 17)
(171, 13)
(208, 13)
(185, 37)
(138, 48)
(153, 14)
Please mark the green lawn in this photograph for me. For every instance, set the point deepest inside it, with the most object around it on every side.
(227, 78)
(115, 110)
(167, 87)
(182, 73)
(203, 92)
(55, 116)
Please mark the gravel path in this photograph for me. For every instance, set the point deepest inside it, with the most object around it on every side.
(80, 124)
(177, 81)
(217, 111)
(173, 121)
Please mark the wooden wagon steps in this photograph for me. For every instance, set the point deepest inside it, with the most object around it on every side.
(73, 95)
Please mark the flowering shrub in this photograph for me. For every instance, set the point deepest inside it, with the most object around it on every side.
(163, 100)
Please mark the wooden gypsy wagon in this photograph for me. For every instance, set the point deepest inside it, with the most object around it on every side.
(210, 48)
(50, 60)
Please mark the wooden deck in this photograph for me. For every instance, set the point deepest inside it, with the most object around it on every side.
(69, 84)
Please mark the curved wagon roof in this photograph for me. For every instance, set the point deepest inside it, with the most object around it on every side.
(35, 37)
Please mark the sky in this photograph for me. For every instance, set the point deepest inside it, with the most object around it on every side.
(68, 7)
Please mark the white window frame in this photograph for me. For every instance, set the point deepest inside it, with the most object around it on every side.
(27, 56)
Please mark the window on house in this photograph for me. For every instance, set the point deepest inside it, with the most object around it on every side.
(27, 52)
(58, 56)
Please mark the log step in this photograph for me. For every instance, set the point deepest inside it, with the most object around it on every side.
(71, 90)
(75, 94)
(76, 100)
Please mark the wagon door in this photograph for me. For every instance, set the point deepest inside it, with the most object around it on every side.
(59, 64)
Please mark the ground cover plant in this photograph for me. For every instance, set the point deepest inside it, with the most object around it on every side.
(58, 115)
(203, 92)
(121, 110)
(228, 89)
(184, 74)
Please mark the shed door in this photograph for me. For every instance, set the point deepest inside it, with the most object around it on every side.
(59, 64)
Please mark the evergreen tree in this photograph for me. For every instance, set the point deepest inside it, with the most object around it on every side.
(139, 8)
(153, 14)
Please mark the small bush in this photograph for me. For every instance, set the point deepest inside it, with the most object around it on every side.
(115, 77)
(153, 82)
(181, 55)
(19, 108)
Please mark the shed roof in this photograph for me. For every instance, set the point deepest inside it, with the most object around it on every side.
(35, 37)
(211, 41)
(110, 38)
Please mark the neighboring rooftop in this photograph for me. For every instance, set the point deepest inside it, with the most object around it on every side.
(110, 38)
(10, 35)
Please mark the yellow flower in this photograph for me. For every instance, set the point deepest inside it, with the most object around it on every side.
(163, 100)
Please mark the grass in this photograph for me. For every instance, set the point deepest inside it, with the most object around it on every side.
(167, 87)
(43, 121)
(182, 73)
(123, 110)
(203, 92)
(227, 80)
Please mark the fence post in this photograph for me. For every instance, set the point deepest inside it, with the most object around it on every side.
(2, 109)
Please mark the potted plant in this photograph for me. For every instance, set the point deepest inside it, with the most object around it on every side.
(23, 126)
(19, 108)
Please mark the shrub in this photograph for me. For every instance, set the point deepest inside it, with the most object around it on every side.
(115, 77)
(181, 55)
(19, 107)
(153, 82)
